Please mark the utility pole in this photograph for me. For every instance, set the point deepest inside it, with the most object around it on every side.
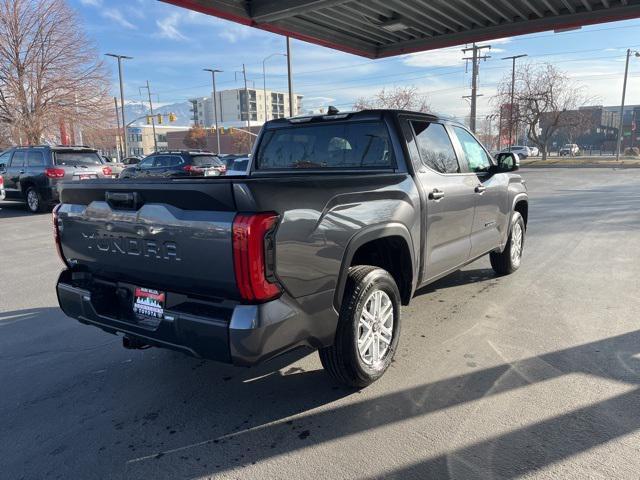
(215, 103)
(475, 59)
(513, 86)
(290, 78)
(153, 118)
(120, 58)
(119, 146)
(624, 93)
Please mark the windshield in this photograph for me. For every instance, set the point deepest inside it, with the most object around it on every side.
(206, 161)
(332, 145)
(76, 159)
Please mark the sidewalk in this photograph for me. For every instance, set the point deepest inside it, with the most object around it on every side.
(582, 161)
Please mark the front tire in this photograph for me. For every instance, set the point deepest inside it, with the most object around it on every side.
(368, 328)
(508, 261)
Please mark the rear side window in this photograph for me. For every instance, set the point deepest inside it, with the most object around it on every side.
(75, 159)
(335, 145)
(166, 161)
(436, 149)
(18, 158)
(35, 159)
(206, 161)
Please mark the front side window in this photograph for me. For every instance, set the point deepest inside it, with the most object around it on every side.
(147, 162)
(4, 159)
(435, 147)
(332, 145)
(476, 156)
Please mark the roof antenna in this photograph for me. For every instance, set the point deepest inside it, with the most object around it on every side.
(332, 110)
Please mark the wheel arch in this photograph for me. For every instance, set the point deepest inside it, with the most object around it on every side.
(363, 246)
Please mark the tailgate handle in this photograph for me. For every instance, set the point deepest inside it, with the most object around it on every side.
(126, 200)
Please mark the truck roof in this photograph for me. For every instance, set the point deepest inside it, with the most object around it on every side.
(369, 114)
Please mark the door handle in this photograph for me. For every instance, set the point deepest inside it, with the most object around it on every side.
(436, 194)
(480, 188)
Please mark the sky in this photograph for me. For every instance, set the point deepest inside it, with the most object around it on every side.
(171, 46)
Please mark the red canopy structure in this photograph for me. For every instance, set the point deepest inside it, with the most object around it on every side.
(383, 28)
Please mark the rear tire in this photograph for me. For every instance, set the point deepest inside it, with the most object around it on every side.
(368, 328)
(508, 261)
(34, 201)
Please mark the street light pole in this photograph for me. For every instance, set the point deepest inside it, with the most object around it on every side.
(120, 58)
(215, 103)
(289, 77)
(264, 81)
(624, 93)
(513, 87)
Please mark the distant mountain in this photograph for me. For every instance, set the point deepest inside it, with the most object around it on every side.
(133, 110)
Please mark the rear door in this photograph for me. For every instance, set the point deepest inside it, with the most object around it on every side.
(35, 167)
(489, 190)
(450, 200)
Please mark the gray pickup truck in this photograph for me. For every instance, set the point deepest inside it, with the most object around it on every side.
(339, 220)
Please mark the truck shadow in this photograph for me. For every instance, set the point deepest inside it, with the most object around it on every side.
(91, 409)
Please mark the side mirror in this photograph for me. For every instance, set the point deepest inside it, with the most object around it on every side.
(3, 166)
(508, 161)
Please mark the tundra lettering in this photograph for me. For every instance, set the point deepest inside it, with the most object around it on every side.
(132, 246)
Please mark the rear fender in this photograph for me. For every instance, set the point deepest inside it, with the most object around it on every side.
(368, 234)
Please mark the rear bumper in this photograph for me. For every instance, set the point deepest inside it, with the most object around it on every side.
(238, 334)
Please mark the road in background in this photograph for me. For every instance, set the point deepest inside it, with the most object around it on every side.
(534, 374)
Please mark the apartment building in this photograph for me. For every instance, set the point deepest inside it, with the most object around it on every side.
(232, 107)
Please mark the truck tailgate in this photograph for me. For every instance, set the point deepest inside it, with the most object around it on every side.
(161, 235)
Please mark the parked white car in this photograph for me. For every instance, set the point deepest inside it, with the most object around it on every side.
(569, 150)
(534, 151)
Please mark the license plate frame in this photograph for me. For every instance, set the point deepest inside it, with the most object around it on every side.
(87, 176)
(148, 304)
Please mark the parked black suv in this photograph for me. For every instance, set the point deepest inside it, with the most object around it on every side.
(177, 164)
(32, 174)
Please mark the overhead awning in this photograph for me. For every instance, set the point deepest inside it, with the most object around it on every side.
(383, 28)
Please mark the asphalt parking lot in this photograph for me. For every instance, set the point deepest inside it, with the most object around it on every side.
(534, 375)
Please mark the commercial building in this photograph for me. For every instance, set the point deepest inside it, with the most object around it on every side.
(232, 107)
(140, 139)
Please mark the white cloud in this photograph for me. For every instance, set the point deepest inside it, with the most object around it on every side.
(444, 57)
(92, 3)
(116, 15)
(169, 27)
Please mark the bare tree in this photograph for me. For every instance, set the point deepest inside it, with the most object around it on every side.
(401, 98)
(50, 74)
(545, 101)
(242, 141)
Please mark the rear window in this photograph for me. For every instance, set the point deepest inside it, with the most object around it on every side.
(73, 159)
(206, 161)
(334, 145)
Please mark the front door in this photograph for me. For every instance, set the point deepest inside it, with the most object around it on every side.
(449, 198)
(490, 191)
(15, 170)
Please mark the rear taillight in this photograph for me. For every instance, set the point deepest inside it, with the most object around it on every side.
(54, 172)
(254, 255)
(192, 169)
(107, 171)
(1, 181)
(57, 228)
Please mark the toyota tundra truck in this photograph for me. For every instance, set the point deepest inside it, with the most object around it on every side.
(337, 222)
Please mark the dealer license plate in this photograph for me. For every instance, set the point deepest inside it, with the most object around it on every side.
(148, 303)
